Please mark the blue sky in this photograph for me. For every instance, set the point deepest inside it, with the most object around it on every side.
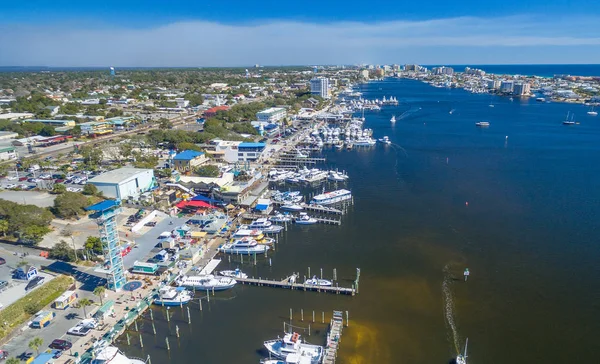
(231, 33)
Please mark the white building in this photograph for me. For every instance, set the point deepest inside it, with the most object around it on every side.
(507, 86)
(182, 103)
(239, 152)
(7, 153)
(271, 115)
(320, 86)
(493, 84)
(521, 89)
(124, 183)
(364, 74)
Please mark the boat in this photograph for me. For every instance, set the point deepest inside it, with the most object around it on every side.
(244, 246)
(462, 358)
(237, 273)
(280, 218)
(482, 123)
(314, 281)
(293, 358)
(592, 112)
(111, 355)
(171, 296)
(263, 224)
(393, 119)
(330, 198)
(291, 344)
(292, 207)
(304, 219)
(207, 282)
(540, 99)
(568, 121)
(384, 140)
(336, 176)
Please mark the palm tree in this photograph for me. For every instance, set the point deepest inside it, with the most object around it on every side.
(13, 361)
(35, 344)
(3, 227)
(99, 291)
(84, 302)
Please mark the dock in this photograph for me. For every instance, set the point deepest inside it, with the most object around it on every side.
(285, 284)
(210, 267)
(333, 337)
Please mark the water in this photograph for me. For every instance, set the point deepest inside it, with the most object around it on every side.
(521, 213)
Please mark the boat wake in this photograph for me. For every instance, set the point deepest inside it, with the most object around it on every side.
(449, 309)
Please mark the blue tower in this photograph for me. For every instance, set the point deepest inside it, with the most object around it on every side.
(105, 214)
(315, 69)
(112, 72)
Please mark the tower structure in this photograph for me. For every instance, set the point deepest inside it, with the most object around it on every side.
(112, 72)
(105, 214)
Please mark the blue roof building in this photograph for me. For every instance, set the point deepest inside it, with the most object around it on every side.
(188, 159)
(250, 151)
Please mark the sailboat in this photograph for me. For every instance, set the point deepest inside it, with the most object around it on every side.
(592, 112)
(393, 119)
(568, 121)
(462, 358)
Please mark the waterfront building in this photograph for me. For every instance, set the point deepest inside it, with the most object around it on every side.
(443, 70)
(364, 74)
(267, 129)
(51, 122)
(8, 153)
(189, 159)
(96, 128)
(320, 86)
(493, 84)
(507, 86)
(520, 89)
(125, 183)
(474, 71)
(271, 115)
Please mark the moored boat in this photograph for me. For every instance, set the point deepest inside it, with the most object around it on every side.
(107, 354)
(207, 282)
(237, 273)
(304, 219)
(330, 198)
(244, 246)
(314, 281)
(280, 218)
(171, 296)
(290, 344)
(292, 207)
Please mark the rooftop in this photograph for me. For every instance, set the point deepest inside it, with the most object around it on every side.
(272, 110)
(118, 175)
(104, 205)
(187, 155)
(251, 145)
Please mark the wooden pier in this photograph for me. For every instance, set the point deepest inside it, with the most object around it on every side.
(286, 284)
(333, 337)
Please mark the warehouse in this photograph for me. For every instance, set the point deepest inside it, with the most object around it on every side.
(125, 183)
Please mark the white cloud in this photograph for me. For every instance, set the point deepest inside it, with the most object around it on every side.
(202, 43)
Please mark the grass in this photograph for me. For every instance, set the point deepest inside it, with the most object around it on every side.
(20, 311)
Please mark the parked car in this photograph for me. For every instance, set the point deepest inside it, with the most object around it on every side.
(12, 185)
(3, 285)
(60, 344)
(2, 261)
(21, 179)
(150, 223)
(36, 281)
(3, 354)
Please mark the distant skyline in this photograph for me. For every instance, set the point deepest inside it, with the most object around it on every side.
(179, 33)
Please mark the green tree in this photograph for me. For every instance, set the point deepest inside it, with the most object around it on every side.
(13, 361)
(59, 188)
(4, 227)
(188, 146)
(92, 156)
(194, 99)
(125, 149)
(75, 131)
(84, 302)
(99, 291)
(33, 234)
(62, 251)
(90, 189)
(164, 123)
(208, 171)
(70, 205)
(94, 244)
(35, 344)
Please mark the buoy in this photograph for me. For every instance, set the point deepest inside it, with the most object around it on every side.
(467, 203)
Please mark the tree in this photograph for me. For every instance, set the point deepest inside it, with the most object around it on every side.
(59, 188)
(125, 149)
(70, 205)
(84, 302)
(90, 189)
(164, 123)
(91, 156)
(99, 291)
(188, 146)
(13, 361)
(75, 131)
(36, 343)
(3, 227)
(62, 251)
(33, 234)
(94, 244)
(208, 171)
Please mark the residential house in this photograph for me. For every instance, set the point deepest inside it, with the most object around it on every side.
(187, 160)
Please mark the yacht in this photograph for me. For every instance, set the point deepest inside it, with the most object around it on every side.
(290, 359)
(207, 282)
(393, 119)
(263, 224)
(171, 296)
(592, 112)
(568, 121)
(112, 355)
(237, 273)
(482, 123)
(292, 344)
(314, 281)
(330, 198)
(244, 246)
(292, 207)
(462, 358)
(280, 218)
(304, 219)
(336, 176)
(364, 142)
(540, 99)
(385, 140)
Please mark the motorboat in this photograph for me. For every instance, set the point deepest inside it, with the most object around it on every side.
(385, 140)
(292, 207)
(207, 282)
(393, 119)
(237, 273)
(330, 198)
(291, 344)
(304, 219)
(111, 355)
(462, 358)
(482, 123)
(293, 358)
(244, 246)
(280, 218)
(314, 281)
(592, 112)
(172, 296)
(263, 224)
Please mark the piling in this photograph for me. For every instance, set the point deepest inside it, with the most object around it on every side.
(177, 330)
(153, 328)
(290, 315)
(167, 342)
(148, 360)
(270, 265)
(128, 340)
(213, 291)
(189, 317)
(347, 319)
(254, 258)
(208, 295)
(242, 257)
(141, 341)
(323, 317)
(334, 274)
(302, 314)
(135, 325)
(151, 315)
(168, 316)
(200, 302)
(321, 273)
(229, 258)
(313, 316)
(309, 272)
(308, 329)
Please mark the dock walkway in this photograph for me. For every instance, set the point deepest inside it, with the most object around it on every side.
(286, 284)
(333, 337)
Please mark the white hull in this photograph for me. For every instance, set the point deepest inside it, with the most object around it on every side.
(310, 221)
(233, 274)
(229, 249)
(318, 282)
(292, 207)
(208, 282)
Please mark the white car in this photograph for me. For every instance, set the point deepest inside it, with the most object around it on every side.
(12, 185)
(12, 178)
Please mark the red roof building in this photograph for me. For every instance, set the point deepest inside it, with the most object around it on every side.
(213, 111)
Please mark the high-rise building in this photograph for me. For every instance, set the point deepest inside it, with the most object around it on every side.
(105, 214)
(364, 74)
(521, 89)
(507, 86)
(320, 86)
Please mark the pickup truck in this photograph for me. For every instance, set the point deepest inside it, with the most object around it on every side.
(79, 330)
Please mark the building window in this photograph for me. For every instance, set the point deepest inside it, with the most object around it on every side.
(240, 154)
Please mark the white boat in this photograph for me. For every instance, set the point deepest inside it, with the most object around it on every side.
(263, 224)
(292, 207)
(364, 142)
(462, 358)
(304, 219)
(244, 246)
(112, 355)
(592, 112)
(482, 123)
(291, 344)
(333, 197)
(393, 119)
(337, 176)
(385, 140)
(540, 99)
(568, 121)
(237, 273)
(314, 281)
(207, 282)
(280, 218)
(171, 296)
(294, 358)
